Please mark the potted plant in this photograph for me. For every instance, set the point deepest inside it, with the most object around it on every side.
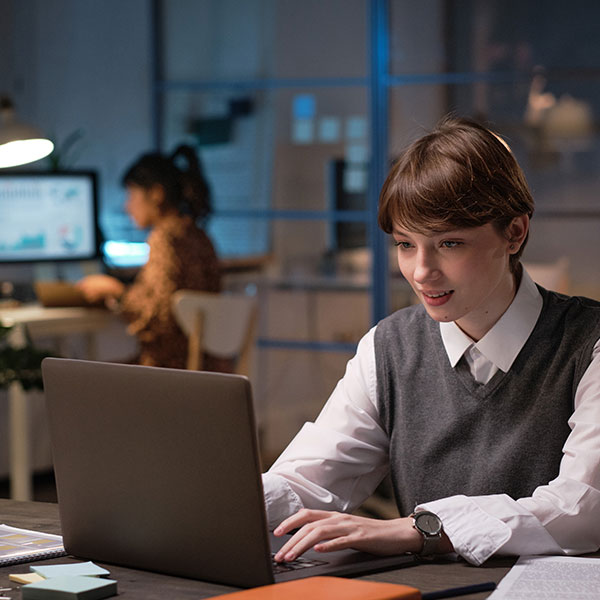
(22, 364)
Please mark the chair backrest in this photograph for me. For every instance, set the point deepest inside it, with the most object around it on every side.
(219, 324)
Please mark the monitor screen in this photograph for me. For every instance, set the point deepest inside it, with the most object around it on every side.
(48, 216)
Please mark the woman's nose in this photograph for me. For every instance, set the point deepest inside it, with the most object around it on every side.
(426, 267)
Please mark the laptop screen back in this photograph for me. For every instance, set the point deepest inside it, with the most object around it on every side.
(158, 469)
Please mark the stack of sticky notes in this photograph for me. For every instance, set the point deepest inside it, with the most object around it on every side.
(74, 581)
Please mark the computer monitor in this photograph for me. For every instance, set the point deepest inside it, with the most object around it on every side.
(48, 216)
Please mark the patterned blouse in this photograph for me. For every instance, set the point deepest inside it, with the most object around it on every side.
(181, 257)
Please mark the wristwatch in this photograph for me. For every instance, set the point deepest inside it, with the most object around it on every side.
(429, 525)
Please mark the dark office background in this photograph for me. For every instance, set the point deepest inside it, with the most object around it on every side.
(274, 94)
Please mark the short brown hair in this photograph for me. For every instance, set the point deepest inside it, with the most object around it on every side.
(458, 176)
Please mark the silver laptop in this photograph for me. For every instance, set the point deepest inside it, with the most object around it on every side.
(158, 469)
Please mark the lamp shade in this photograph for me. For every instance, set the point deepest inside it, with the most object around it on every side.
(19, 143)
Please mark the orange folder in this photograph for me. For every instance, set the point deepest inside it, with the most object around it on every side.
(327, 588)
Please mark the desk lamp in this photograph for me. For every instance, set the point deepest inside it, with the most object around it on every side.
(19, 143)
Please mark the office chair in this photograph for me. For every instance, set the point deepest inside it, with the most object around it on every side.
(221, 325)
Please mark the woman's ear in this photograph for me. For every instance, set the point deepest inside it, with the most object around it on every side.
(516, 232)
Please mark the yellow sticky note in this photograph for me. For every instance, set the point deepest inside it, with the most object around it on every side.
(25, 577)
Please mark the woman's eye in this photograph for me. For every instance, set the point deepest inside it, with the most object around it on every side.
(403, 245)
(450, 244)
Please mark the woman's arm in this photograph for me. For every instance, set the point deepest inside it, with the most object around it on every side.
(560, 517)
(146, 303)
(99, 287)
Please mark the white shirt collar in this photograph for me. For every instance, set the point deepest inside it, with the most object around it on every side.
(503, 342)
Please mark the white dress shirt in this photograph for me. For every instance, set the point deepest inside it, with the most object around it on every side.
(336, 462)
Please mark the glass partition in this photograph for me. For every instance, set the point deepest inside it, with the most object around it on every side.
(290, 103)
(555, 139)
(492, 36)
(264, 39)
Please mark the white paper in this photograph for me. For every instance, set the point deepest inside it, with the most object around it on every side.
(551, 578)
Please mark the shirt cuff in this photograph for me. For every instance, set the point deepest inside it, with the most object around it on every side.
(280, 499)
(475, 534)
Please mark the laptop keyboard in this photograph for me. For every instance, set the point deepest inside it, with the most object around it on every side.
(299, 563)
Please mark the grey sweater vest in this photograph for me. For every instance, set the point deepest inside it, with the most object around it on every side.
(450, 435)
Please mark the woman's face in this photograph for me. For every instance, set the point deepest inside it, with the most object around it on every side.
(462, 275)
(143, 205)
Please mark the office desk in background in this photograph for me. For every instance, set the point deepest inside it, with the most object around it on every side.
(40, 322)
(427, 577)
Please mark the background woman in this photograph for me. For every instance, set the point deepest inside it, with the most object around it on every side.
(174, 203)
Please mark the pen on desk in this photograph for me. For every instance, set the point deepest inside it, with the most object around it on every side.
(460, 591)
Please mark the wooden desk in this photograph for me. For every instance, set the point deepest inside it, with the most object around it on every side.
(41, 322)
(153, 586)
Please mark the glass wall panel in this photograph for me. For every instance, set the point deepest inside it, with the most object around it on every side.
(286, 149)
(292, 388)
(512, 35)
(306, 134)
(321, 148)
(558, 146)
(307, 293)
(311, 301)
(418, 41)
(263, 39)
(562, 254)
(494, 36)
(559, 152)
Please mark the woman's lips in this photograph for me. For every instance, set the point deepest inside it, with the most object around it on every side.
(437, 298)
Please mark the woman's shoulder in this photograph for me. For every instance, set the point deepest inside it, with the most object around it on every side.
(409, 323)
(572, 307)
(413, 314)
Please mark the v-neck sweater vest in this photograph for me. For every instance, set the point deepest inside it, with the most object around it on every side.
(451, 435)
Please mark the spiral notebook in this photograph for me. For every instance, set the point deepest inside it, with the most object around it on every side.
(23, 545)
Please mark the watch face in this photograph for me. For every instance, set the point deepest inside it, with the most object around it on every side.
(428, 523)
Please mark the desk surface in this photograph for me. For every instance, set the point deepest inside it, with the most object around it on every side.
(150, 586)
(30, 313)
(56, 321)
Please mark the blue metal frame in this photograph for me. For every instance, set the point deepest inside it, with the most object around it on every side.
(379, 153)
(302, 345)
(456, 78)
(377, 84)
(156, 46)
(261, 84)
(296, 215)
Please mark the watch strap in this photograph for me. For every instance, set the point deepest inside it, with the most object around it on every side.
(430, 544)
(431, 541)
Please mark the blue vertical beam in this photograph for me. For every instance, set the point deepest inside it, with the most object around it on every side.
(379, 47)
(157, 75)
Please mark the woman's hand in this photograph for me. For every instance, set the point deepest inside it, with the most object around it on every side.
(327, 531)
(100, 287)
